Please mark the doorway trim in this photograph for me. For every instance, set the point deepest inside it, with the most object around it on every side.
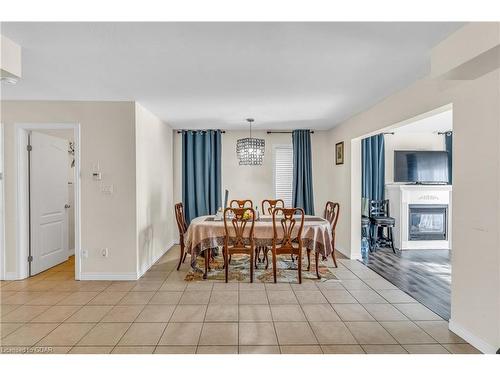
(22, 196)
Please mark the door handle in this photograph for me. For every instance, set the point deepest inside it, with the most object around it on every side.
(67, 206)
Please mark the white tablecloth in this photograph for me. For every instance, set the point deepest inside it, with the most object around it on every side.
(205, 233)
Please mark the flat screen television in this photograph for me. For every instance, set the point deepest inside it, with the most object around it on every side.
(424, 167)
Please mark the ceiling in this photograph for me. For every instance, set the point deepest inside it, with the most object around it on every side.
(214, 75)
(441, 122)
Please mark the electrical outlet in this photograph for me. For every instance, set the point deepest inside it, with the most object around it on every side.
(85, 253)
(105, 252)
(107, 189)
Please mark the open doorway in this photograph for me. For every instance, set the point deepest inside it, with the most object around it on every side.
(406, 207)
(48, 199)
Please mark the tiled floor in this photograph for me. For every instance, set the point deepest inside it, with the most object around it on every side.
(161, 313)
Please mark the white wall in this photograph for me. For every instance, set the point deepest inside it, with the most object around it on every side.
(409, 141)
(107, 137)
(475, 303)
(256, 182)
(154, 187)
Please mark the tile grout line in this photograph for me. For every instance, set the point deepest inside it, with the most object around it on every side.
(204, 317)
(308, 322)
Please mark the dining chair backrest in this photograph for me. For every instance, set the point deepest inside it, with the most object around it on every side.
(235, 224)
(272, 203)
(241, 203)
(379, 207)
(288, 220)
(180, 218)
(332, 210)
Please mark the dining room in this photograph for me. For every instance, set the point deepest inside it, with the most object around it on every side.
(217, 195)
(288, 171)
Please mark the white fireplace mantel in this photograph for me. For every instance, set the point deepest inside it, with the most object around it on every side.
(401, 196)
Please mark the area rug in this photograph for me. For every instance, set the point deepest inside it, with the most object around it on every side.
(239, 270)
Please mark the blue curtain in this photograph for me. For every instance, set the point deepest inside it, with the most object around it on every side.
(448, 139)
(373, 170)
(201, 172)
(302, 171)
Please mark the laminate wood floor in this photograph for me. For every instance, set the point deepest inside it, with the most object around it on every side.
(423, 274)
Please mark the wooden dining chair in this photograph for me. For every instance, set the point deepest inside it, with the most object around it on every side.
(238, 237)
(272, 203)
(182, 226)
(332, 211)
(290, 241)
(241, 203)
(268, 205)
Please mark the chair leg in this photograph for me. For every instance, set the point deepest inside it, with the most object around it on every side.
(209, 259)
(184, 259)
(207, 256)
(226, 265)
(308, 260)
(266, 256)
(299, 266)
(183, 256)
(256, 258)
(392, 240)
(316, 258)
(333, 252)
(369, 238)
(274, 265)
(251, 268)
(375, 237)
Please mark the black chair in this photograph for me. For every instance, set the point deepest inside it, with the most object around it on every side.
(380, 219)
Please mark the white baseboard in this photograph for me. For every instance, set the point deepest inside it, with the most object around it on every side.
(11, 276)
(108, 276)
(348, 256)
(145, 268)
(475, 341)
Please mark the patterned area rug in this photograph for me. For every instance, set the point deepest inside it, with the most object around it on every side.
(239, 270)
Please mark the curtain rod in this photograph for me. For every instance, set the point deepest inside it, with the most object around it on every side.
(448, 133)
(284, 132)
(197, 130)
(223, 131)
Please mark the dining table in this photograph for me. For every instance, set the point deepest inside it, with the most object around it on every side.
(206, 233)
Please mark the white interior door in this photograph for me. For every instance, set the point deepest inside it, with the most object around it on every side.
(2, 209)
(48, 199)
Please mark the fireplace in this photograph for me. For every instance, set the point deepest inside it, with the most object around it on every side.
(422, 214)
(427, 222)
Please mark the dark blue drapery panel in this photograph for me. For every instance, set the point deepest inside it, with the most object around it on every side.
(302, 171)
(448, 139)
(201, 172)
(373, 169)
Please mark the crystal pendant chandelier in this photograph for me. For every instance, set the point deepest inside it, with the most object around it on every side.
(250, 151)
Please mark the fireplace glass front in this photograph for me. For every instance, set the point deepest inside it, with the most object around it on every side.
(428, 222)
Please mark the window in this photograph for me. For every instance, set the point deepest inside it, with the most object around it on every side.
(283, 173)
